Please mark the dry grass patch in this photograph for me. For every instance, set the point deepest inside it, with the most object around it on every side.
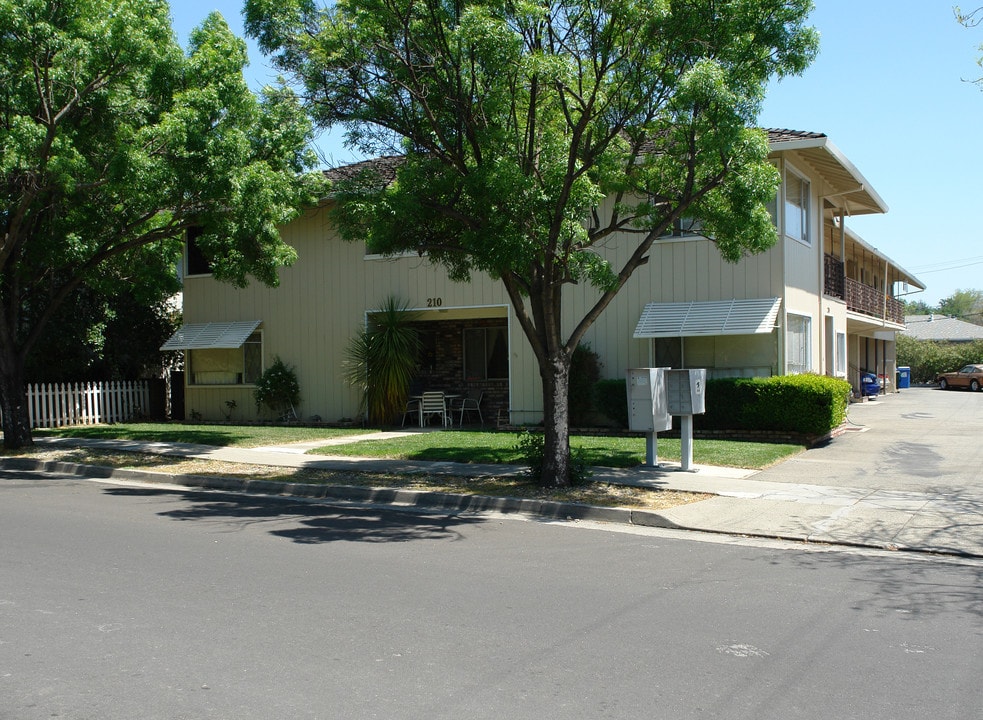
(601, 494)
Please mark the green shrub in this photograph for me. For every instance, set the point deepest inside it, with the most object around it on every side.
(532, 447)
(381, 360)
(278, 389)
(808, 404)
(585, 371)
(611, 399)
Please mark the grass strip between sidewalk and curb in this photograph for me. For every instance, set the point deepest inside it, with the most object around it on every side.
(283, 479)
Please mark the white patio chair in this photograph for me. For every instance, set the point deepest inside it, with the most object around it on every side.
(433, 403)
(471, 404)
(412, 408)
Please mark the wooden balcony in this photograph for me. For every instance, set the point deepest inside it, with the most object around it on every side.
(859, 297)
(833, 277)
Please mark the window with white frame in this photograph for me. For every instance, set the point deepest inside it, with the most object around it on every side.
(840, 354)
(486, 353)
(798, 344)
(772, 205)
(686, 226)
(227, 366)
(797, 193)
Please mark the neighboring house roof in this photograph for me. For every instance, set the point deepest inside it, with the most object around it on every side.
(941, 328)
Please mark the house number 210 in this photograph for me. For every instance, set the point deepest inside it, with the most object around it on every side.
(434, 302)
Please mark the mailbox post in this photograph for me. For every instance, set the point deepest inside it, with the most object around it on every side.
(648, 411)
(686, 397)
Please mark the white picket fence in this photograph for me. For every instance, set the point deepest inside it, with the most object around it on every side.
(57, 404)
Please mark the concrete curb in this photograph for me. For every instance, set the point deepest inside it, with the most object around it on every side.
(429, 501)
(418, 499)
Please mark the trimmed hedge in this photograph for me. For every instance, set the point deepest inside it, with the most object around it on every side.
(806, 404)
(611, 400)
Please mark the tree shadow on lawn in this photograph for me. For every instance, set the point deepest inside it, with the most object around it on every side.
(216, 435)
(479, 454)
(305, 523)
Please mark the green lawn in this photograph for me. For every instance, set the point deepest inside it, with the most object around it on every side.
(454, 446)
(605, 451)
(220, 435)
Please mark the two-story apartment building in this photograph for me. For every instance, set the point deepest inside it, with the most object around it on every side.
(821, 300)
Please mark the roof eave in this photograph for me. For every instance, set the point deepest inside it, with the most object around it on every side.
(824, 144)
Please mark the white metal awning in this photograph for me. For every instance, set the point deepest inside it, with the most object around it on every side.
(717, 317)
(202, 336)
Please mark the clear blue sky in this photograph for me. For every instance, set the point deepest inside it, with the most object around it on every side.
(889, 89)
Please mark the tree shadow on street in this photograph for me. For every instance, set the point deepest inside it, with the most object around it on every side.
(910, 585)
(304, 522)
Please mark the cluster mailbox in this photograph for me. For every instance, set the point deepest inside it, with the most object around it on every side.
(686, 391)
(648, 409)
(655, 395)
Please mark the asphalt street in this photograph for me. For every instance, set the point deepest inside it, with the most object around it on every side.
(129, 601)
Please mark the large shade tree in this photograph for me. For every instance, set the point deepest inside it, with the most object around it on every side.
(113, 142)
(515, 119)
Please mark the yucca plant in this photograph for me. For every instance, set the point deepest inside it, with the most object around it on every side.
(381, 360)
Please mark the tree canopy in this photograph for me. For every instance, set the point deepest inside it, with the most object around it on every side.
(534, 133)
(964, 304)
(113, 142)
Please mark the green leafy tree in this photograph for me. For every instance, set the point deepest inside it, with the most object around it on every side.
(918, 307)
(113, 142)
(964, 304)
(96, 337)
(516, 120)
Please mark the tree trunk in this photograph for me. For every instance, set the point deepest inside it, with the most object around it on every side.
(556, 420)
(13, 401)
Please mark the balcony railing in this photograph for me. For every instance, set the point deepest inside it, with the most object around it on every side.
(833, 276)
(870, 301)
(859, 297)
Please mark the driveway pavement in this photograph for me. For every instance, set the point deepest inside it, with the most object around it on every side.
(906, 475)
(918, 440)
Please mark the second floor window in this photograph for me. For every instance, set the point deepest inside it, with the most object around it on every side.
(797, 207)
(197, 263)
(686, 226)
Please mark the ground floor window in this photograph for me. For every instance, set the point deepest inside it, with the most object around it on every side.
(798, 356)
(486, 353)
(841, 354)
(227, 366)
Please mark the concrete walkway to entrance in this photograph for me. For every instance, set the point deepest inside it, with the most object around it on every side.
(906, 475)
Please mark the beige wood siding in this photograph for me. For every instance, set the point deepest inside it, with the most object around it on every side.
(324, 298)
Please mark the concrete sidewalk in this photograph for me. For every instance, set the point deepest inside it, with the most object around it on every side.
(745, 503)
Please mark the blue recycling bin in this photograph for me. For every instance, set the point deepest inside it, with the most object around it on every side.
(870, 385)
(904, 377)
